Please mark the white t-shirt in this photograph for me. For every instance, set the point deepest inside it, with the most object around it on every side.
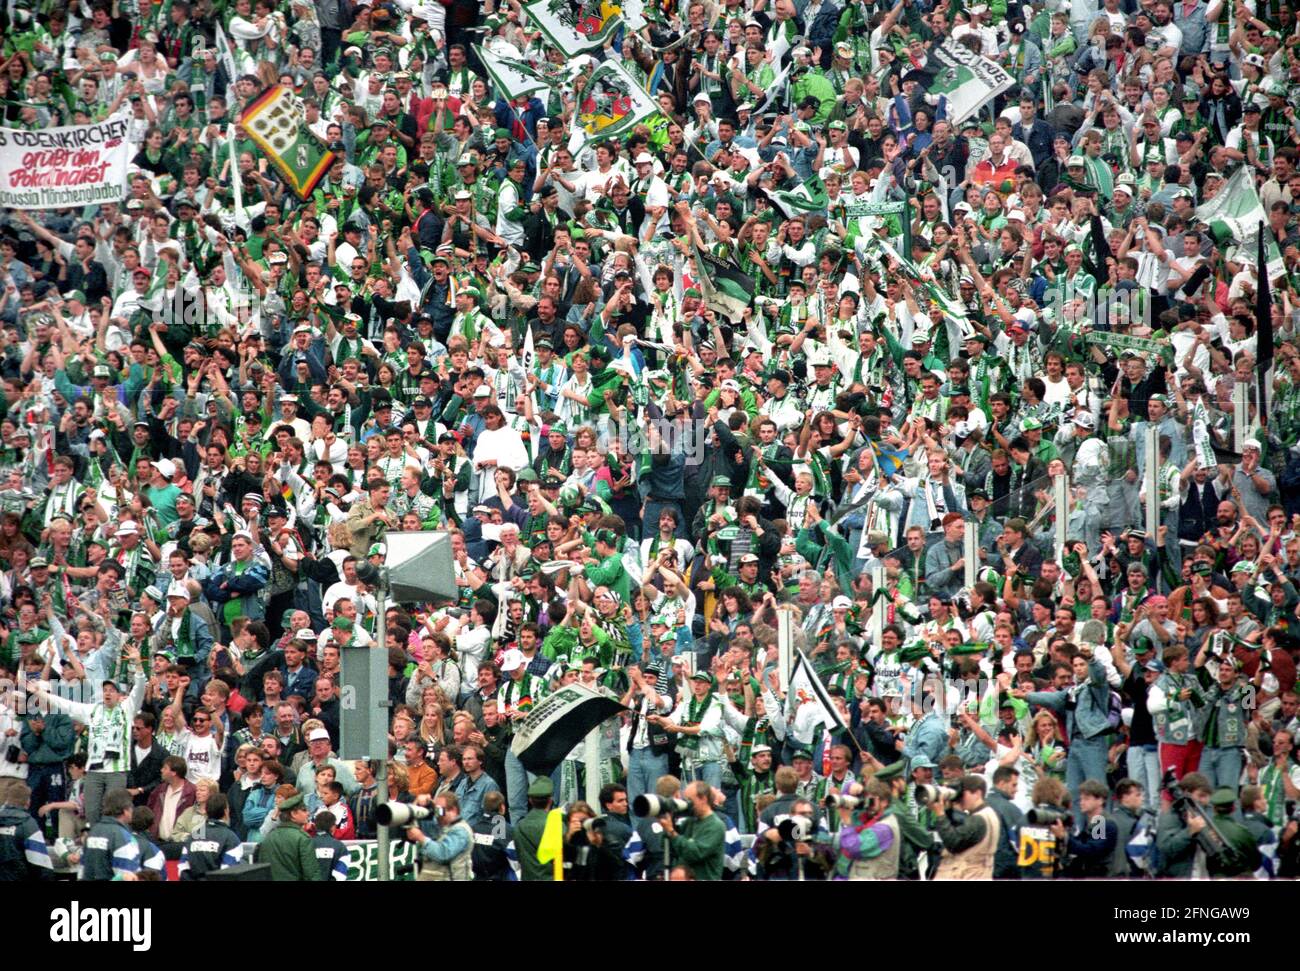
(202, 756)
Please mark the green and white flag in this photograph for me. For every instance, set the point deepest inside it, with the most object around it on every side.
(967, 80)
(575, 27)
(725, 289)
(226, 54)
(810, 197)
(510, 77)
(952, 309)
(1235, 213)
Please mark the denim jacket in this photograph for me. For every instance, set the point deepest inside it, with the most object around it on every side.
(1086, 706)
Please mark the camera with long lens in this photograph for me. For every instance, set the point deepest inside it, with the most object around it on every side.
(926, 794)
(1047, 816)
(835, 800)
(795, 829)
(596, 824)
(401, 813)
(652, 805)
(1211, 838)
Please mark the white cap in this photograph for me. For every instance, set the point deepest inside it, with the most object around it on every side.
(1123, 187)
(482, 391)
(512, 660)
(644, 157)
(127, 527)
(1084, 419)
(178, 589)
(841, 603)
(1251, 443)
(166, 466)
(318, 735)
(1015, 214)
(731, 384)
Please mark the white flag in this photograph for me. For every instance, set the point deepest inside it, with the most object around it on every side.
(805, 688)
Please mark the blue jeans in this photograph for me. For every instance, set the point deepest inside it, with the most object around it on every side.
(517, 780)
(1144, 767)
(643, 770)
(1087, 760)
(710, 772)
(1222, 766)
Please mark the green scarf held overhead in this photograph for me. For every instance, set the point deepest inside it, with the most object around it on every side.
(694, 713)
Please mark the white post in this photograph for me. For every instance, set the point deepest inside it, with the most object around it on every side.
(879, 608)
(235, 180)
(784, 647)
(1240, 414)
(1151, 477)
(591, 760)
(1061, 494)
(970, 555)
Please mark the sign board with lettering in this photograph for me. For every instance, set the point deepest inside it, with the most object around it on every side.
(363, 859)
(68, 167)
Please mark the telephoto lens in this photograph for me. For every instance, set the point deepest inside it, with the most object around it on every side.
(400, 813)
(651, 805)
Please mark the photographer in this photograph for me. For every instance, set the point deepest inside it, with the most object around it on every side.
(916, 839)
(1179, 853)
(971, 844)
(448, 857)
(1039, 857)
(1091, 847)
(588, 855)
(702, 840)
(790, 850)
(869, 840)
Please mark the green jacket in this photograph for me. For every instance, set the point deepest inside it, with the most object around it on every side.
(528, 836)
(700, 845)
(290, 852)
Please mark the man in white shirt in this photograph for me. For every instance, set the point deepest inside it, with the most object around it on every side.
(498, 446)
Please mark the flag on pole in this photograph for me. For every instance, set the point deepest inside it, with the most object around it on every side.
(550, 848)
(274, 123)
(575, 27)
(1235, 214)
(512, 78)
(725, 289)
(612, 102)
(530, 354)
(810, 197)
(967, 80)
(226, 54)
(1201, 440)
(1263, 326)
(557, 723)
(805, 688)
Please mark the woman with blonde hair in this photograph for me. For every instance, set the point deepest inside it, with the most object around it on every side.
(433, 725)
(1046, 752)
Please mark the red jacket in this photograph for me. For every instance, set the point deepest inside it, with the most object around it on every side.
(188, 793)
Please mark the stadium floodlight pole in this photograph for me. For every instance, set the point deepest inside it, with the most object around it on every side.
(1240, 414)
(377, 577)
(1061, 496)
(383, 856)
(1151, 477)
